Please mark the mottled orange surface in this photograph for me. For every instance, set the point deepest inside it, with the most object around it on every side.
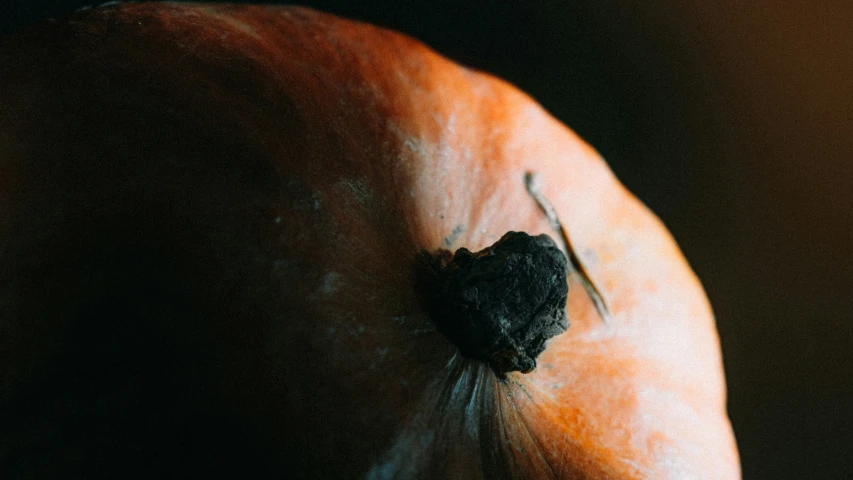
(293, 164)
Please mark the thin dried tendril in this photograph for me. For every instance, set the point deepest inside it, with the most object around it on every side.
(533, 182)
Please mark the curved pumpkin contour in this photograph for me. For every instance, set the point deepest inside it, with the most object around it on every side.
(299, 163)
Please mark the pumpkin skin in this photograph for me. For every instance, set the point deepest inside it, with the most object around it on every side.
(219, 210)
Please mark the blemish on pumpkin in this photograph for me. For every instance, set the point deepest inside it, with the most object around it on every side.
(310, 202)
(450, 239)
(590, 257)
(330, 282)
(360, 192)
(414, 146)
(409, 142)
(450, 125)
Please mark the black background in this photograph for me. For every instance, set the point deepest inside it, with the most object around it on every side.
(733, 121)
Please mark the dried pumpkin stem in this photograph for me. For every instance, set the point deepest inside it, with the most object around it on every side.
(503, 303)
(533, 182)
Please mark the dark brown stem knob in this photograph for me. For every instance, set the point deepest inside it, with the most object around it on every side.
(503, 303)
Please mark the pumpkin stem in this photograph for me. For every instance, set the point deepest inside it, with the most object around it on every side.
(534, 184)
(503, 303)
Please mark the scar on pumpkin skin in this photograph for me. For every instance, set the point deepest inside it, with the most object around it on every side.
(533, 182)
(450, 239)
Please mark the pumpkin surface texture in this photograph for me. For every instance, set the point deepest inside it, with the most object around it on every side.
(219, 225)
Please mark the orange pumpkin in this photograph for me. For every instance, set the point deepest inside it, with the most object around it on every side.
(212, 226)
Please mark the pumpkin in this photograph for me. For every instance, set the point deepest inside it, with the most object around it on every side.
(228, 232)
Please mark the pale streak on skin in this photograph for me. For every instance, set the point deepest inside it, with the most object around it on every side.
(533, 182)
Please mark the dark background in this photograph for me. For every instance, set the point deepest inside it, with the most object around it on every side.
(733, 121)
